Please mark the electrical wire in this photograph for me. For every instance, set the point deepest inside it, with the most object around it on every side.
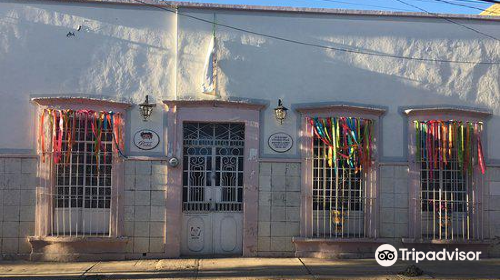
(352, 51)
(450, 20)
(456, 4)
(491, 1)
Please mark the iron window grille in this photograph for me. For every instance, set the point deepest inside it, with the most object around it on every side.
(340, 201)
(81, 196)
(449, 196)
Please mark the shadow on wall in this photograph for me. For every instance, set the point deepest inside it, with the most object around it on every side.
(119, 51)
(252, 66)
(123, 52)
(305, 74)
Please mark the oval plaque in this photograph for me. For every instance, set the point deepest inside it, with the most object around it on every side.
(146, 139)
(280, 142)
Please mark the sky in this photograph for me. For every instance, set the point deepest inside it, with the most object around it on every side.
(432, 6)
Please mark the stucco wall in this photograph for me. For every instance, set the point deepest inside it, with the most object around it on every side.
(125, 52)
(121, 52)
(128, 51)
(255, 67)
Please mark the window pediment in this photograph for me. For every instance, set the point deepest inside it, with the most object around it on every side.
(343, 109)
(77, 102)
(449, 112)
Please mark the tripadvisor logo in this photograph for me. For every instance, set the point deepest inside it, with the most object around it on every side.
(386, 255)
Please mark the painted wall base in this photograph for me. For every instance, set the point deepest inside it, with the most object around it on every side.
(336, 248)
(77, 249)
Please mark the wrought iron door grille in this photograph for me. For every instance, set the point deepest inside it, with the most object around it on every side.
(213, 167)
(82, 194)
(339, 201)
(447, 197)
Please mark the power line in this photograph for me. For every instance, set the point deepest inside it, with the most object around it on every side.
(490, 1)
(352, 51)
(450, 20)
(480, 2)
(461, 5)
(472, 1)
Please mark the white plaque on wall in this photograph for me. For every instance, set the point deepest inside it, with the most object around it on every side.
(146, 139)
(280, 142)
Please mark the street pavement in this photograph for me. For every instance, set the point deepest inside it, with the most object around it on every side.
(245, 268)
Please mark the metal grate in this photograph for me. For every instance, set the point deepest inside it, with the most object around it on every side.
(213, 167)
(82, 193)
(448, 196)
(339, 197)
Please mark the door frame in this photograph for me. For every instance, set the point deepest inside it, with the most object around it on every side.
(212, 111)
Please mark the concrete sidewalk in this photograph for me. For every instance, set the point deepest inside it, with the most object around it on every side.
(245, 268)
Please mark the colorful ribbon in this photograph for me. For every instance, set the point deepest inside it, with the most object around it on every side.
(59, 126)
(346, 138)
(438, 142)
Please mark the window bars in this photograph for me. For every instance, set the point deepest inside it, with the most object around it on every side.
(213, 167)
(447, 153)
(342, 193)
(80, 154)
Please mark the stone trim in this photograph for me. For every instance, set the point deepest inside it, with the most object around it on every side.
(337, 248)
(18, 156)
(77, 248)
(305, 142)
(75, 101)
(345, 109)
(447, 111)
(215, 103)
(46, 169)
(179, 112)
(146, 158)
(414, 188)
(283, 160)
(444, 242)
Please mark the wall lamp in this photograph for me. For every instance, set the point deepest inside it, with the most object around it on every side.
(146, 109)
(280, 112)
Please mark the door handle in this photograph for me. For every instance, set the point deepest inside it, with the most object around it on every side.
(211, 205)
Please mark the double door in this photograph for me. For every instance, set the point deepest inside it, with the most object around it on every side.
(212, 188)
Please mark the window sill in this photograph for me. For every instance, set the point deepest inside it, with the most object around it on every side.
(72, 239)
(444, 242)
(336, 248)
(339, 240)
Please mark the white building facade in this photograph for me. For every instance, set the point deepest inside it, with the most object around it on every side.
(390, 137)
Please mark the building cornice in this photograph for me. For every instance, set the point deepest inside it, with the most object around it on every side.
(304, 10)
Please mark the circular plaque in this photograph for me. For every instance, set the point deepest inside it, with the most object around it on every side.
(280, 142)
(146, 139)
